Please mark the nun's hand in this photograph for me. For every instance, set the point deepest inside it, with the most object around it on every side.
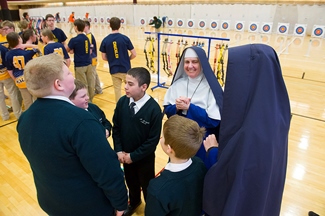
(184, 99)
(182, 105)
(210, 142)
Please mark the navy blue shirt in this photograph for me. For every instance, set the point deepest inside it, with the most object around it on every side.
(16, 59)
(3, 51)
(116, 47)
(56, 48)
(59, 35)
(81, 47)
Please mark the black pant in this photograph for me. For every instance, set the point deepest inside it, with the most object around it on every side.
(137, 176)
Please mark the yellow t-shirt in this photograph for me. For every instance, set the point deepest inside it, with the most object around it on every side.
(3, 41)
(3, 38)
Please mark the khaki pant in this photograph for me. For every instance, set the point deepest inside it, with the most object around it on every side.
(98, 88)
(86, 75)
(13, 92)
(27, 97)
(71, 27)
(117, 79)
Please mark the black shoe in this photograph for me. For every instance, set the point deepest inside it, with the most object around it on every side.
(131, 209)
(311, 213)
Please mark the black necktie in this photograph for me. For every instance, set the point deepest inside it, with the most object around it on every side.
(132, 108)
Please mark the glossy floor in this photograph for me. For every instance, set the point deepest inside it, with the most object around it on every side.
(303, 65)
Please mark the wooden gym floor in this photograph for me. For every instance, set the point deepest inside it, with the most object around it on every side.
(303, 66)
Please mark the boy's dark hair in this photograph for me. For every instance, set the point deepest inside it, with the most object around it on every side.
(49, 16)
(25, 14)
(155, 18)
(141, 74)
(87, 23)
(79, 85)
(183, 135)
(13, 39)
(80, 24)
(115, 23)
(47, 32)
(27, 34)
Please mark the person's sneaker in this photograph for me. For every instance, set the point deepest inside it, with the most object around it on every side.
(131, 209)
(311, 213)
(99, 92)
(9, 108)
(5, 118)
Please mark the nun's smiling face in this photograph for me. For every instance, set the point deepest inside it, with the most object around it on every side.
(192, 66)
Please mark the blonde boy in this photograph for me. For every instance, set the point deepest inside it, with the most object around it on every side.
(76, 171)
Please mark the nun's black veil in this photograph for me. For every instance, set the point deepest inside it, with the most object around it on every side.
(249, 177)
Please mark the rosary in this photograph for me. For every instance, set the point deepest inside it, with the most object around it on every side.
(195, 88)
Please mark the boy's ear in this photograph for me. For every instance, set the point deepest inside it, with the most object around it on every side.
(57, 85)
(170, 150)
(144, 87)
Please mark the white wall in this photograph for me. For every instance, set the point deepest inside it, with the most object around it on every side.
(302, 14)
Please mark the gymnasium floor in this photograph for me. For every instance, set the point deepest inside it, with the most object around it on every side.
(303, 66)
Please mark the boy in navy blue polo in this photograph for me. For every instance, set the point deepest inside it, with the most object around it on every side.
(80, 46)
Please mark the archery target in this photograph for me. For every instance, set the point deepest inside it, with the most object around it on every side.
(190, 32)
(102, 20)
(202, 24)
(265, 39)
(239, 26)
(142, 21)
(318, 31)
(283, 28)
(108, 19)
(123, 21)
(95, 20)
(251, 38)
(190, 23)
(225, 25)
(214, 24)
(297, 42)
(280, 41)
(253, 27)
(170, 22)
(266, 28)
(213, 34)
(238, 36)
(316, 42)
(201, 33)
(224, 35)
(180, 23)
(300, 30)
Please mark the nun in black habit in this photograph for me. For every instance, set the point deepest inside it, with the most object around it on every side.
(249, 177)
